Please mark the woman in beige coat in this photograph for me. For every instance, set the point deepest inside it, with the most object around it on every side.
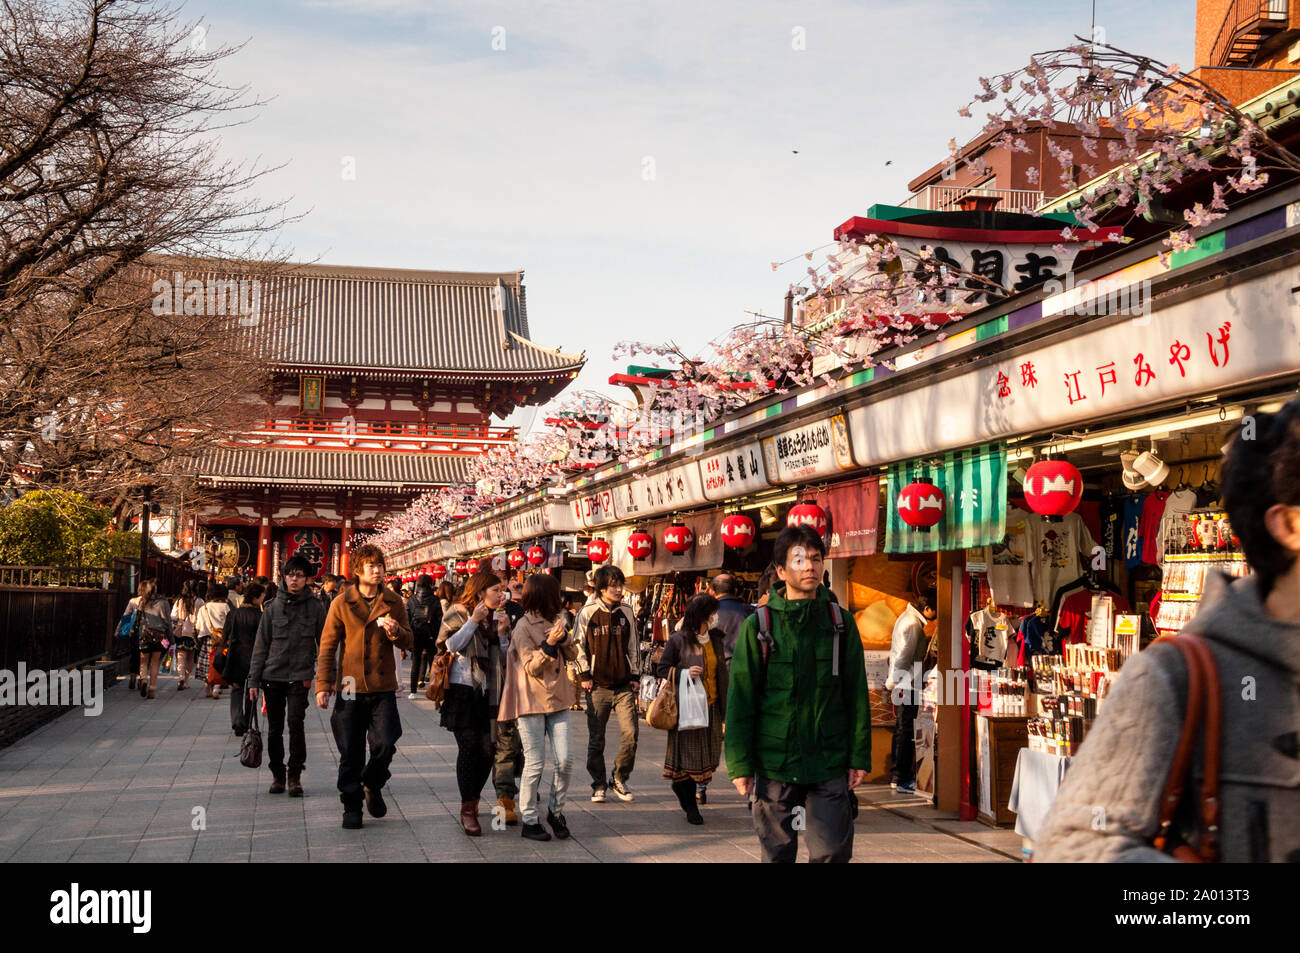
(538, 694)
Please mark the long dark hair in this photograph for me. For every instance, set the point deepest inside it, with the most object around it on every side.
(542, 595)
(1261, 471)
(698, 610)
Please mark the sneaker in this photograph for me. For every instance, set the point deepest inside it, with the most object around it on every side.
(905, 787)
(535, 832)
(598, 796)
(411, 697)
(559, 825)
(620, 789)
(893, 785)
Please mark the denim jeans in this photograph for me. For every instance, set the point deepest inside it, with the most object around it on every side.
(600, 702)
(904, 747)
(370, 717)
(534, 732)
(279, 697)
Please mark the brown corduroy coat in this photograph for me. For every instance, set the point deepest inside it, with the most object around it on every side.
(352, 631)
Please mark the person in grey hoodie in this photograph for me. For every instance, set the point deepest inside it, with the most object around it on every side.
(1108, 806)
(282, 666)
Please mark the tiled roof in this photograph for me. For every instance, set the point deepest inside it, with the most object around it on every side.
(351, 468)
(411, 321)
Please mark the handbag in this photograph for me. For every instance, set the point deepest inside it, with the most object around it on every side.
(663, 710)
(250, 749)
(130, 619)
(1203, 716)
(439, 678)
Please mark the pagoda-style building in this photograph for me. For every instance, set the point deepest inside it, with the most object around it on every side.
(384, 385)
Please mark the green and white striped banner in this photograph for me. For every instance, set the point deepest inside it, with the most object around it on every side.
(975, 484)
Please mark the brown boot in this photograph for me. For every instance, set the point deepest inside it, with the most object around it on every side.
(507, 804)
(295, 784)
(469, 818)
(277, 782)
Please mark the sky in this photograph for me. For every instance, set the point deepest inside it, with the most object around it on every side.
(643, 163)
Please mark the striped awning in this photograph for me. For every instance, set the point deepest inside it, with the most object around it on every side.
(439, 322)
(975, 484)
(330, 468)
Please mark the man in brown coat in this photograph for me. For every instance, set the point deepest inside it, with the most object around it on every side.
(365, 621)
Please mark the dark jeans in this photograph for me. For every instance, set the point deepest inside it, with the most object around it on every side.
(421, 658)
(373, 715)
(600, 702)
(474, 756)
(279, 697)
(239, 707)
(826, 817)
(508, 759)
(904, 746)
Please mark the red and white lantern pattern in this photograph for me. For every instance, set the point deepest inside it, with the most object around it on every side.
(738, 531)
(1053, 487)
(807, 514)
(640, 545)
(471, 566)
(921, 505)
(598, 550)
(536, 556)
(516, 559)
(438, 571)
(461, 566)
(678, 539)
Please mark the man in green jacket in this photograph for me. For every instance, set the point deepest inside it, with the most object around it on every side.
(799, 720)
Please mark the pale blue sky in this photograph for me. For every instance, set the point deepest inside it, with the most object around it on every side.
(532, 157)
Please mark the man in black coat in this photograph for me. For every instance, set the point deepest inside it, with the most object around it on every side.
(424, 611)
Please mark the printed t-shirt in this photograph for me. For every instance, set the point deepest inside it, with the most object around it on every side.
(1009, 562)
(1153, 508)
(987, 632)
(1060, 550)
(1132, 542)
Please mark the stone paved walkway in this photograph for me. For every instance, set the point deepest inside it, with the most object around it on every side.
(133, 783)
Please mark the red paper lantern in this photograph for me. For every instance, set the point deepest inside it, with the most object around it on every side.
(471, 566)
(807, 514)
(516, 558)
(678, 539)
(738, 531)
(598, 550)
(536, 556)
(438, 572)
(640, 545)
(921, 504)
(461, 566)
(1053, 487)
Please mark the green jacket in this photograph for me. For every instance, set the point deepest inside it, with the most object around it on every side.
(805, 725)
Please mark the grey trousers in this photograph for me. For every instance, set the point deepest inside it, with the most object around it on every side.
(822, 811)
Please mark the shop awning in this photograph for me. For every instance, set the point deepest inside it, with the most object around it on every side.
(851, 510)
(705, 554)
(975, 484)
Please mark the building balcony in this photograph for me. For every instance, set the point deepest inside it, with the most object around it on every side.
(1246, 26)
(433, 437)
(952, 198)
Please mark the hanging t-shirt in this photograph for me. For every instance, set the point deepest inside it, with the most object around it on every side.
(1133, 532)
(1009, 562)
(1036, 638)
(987, 632)
(1179, 504)
(1112, 524)
(1153, 508)
(1060, 551)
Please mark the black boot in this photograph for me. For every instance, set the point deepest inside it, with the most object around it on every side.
(685, 791)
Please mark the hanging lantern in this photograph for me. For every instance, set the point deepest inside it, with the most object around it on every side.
(471, 566)
(598, 550)
(738, 531)
(678, 539)
(1053, 487)
(807, 514)
(516, 559)
(921, 505)
(438, 572)
(461, 566)
(536, 556)
(640, 545)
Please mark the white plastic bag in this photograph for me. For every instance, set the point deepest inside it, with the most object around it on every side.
(692, 704)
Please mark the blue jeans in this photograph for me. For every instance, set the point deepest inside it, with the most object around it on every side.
(534, 731)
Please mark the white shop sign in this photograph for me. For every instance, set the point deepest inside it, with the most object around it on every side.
(560, 518)
(735, 473)
(594, 509)
(659, 491)
(1248, 332)
(817, 449)
(525, 524)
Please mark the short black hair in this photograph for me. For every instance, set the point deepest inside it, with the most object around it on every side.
(1262, 470)
(927, 599)
(698, 609)
(216, 592)
(252, 591)
(607, 576)
(297, 564)
(424, 582)
(791, 536)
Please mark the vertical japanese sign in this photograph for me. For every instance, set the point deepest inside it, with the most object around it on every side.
(975, 484)
(736, 472)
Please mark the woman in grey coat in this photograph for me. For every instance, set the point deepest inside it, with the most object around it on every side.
(1108, 806)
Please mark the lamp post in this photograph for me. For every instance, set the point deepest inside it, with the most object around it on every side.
(147, 507)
